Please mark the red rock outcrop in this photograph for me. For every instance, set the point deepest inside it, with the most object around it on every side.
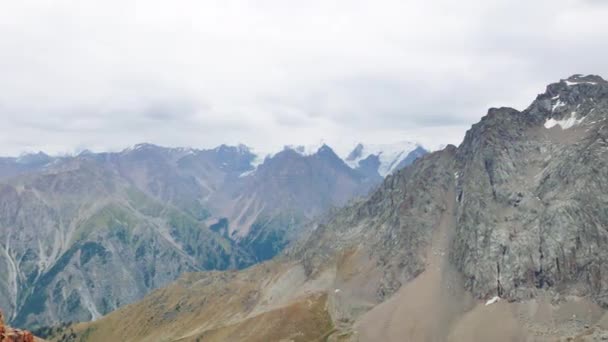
(8, 334)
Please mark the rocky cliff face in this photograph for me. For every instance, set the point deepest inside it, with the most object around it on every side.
(532, 196)
(502, 238)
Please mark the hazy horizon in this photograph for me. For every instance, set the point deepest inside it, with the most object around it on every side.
(104, 76)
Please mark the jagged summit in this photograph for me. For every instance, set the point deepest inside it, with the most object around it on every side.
(385, 158)
(241, 148)
(576, 85)
(140, 146)
(327, 152)
(34, 158)
(576, 101)
(589, 79)
(356, 153)
(307, 150)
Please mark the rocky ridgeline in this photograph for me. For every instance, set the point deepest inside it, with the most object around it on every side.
(8, 334)
(531, 198)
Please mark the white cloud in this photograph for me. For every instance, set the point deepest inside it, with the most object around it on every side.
(107, 74)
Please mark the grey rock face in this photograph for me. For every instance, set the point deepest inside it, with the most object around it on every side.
(532, 196)
(394, 225)
(531, 192)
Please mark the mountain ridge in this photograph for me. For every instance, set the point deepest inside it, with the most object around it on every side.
(501, 238)
(145, 215)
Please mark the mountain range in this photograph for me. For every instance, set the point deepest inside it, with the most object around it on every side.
(503, 238)
(84, 235)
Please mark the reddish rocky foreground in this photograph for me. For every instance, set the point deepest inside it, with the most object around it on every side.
(8, 334)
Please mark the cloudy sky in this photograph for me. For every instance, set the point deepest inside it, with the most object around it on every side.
(104, 75)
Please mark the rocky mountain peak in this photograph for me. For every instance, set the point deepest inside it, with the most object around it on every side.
(355, 153)
(238, 158)
(537, 173)
(140, 147)
(578, 78)
(576, 100)
(327, 151)
(240, 148)
(387, 158)
(575, 85)
(32, 159)
(307, 150)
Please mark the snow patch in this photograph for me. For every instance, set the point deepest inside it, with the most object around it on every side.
(247, 173)
(13, 273)
(495, 299)
(307, 150)
(557, 105)
(571, 83)
(261, 156)
(90, 306)
(564, 123)
(389, 155)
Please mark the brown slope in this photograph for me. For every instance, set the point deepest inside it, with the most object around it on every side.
(219, 306)
(304, 320)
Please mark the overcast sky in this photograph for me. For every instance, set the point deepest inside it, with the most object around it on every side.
(104, 75)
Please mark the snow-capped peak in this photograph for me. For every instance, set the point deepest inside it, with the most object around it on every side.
(390, 156)
(304, 150)
(138, 147)
(307, 150)
(583, 79)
